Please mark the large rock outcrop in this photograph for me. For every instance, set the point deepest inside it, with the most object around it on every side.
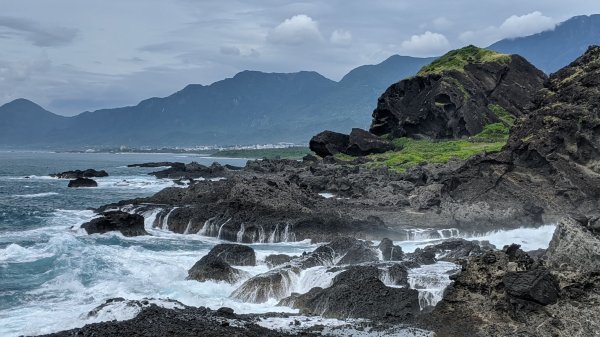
(551, 164)
(89, 173)
(507, 293)
(214, 268)
(457, 95)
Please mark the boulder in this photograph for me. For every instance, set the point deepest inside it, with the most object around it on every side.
(82, 182)
(126, 223)
(270, 285)
(214, 268)
(329, 143)
(275, 260)
(362, 143)
(89, 173)
(538, 286)
(390, 251)
(234, 254)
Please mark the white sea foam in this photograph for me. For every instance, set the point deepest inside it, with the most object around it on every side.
(36, 195)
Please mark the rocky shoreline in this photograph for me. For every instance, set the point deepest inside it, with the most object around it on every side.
(548, 172)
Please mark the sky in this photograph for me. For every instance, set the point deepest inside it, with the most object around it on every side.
(72, 56)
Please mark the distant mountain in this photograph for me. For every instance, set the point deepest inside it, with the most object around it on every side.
(554, 49)
(24, 122)
(251, 107)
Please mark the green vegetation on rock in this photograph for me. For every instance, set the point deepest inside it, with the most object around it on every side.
(424, 151)
(459, 58)
(284, 153)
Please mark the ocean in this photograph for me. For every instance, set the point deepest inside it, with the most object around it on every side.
(52, 274)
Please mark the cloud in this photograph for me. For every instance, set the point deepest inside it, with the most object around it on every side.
(514, 26)
(230, 50)
(341, 37)
(426, 44)
(442, 23)
(41, 36)
(297, 30)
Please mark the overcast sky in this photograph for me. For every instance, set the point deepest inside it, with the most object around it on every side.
(72, 55)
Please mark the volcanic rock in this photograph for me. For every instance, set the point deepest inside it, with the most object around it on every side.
(214, 268)
(234, 254)
(82, 182)
(89, 173)
(329, 143)
(457, 95)
(126, 223)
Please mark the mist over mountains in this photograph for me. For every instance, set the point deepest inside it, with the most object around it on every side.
(257, 107)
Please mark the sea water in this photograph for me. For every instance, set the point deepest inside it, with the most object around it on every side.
(52, 274)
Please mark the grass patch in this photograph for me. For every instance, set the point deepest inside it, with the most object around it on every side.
(459, 58)
(283, 153)
(504, 116)
(417, 152)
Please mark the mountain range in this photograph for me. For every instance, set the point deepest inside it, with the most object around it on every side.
(257, 107)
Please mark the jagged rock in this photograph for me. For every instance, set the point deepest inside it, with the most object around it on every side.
(574, 249)
(234, 254)
(455, 250)
(446, 100)
(358, 293)
(329, 143)
(214, 268)
(275, 260)
(426, 196)
(390, 251)
(82, 182)
(89, 173)
(127, 224)
(275, 283)
(500, 293)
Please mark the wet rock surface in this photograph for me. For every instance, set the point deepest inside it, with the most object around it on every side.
(214, 268)
(82, 182)
(234, 254)
(126, 223)
(358, 293)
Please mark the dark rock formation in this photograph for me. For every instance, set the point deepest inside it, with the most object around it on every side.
(329, 143)
(507, 293)
(234, 254)
(550, 165)
(390, 251)
(89, 173)
(398, 274)
(159, 164)
(127, 224)
(275, 260)
(453, 250)
(446, 101)
(192, 170)
(274, 283)
(214, 268)
(82, 182)
(155, 321)
(358, 293)
(358, 143)
(362, 143)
